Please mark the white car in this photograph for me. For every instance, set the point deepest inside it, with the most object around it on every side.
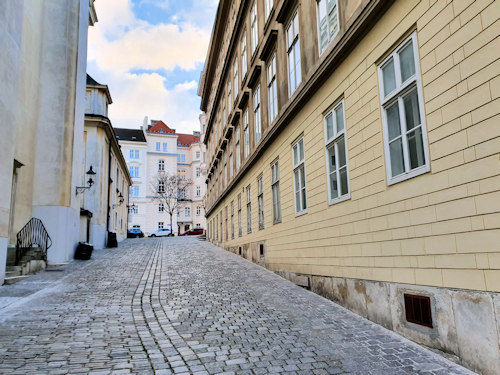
(164, 232)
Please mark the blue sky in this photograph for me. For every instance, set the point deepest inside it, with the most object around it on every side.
(150, 53)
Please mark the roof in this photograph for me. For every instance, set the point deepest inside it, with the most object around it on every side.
(92, 81)
(134, 135)
(160, 128)
(187, 139)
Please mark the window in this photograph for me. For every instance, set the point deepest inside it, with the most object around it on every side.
(235, 79)
(256, 114)
(198, 225)
(240, 229)
(198, 191)
(328, 21)
(133, 210)
(187, 211)
(220, 216)
(217, 227)
(160, 225)
(197, 155)
(134, 191)
(164, 147)
(181, 158)
(178, 213)
(161, 187)
(293, 52)
(268, 7)
(246, 135)
(198, 210)
(227, 232)
(232, 220)
(161, 207)
(260, 200)
(198, 172)
(229, 96)
(134, 171)
(271, 89)
(231, 166)
(254, 37)
(249, 211)
(299, 178)
(336, 155)
(405, 135)
(233, 16)
(237, 148)
(244, 65)
(157, 146)
(134, 154)
(275, 180)
(182, 194)
(161, 165)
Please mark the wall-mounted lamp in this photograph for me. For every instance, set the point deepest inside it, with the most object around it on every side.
(90, 182)
(120, 201)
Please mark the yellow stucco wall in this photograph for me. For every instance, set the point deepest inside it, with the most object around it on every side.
(439, 229)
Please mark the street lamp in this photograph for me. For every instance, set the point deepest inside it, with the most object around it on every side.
(90, 182)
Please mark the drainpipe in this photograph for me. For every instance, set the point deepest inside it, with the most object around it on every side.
(109, 192)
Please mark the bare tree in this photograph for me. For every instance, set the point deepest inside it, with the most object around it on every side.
(171, 191)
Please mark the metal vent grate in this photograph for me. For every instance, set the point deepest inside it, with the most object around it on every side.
(418, 309)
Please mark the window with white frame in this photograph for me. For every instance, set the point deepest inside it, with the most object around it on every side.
(229, 95)
(256, 114)
(158, 145)
(161, 165)
(161, 207)
(164, 147)
(161, 187)
(198, 172)
(328, 21)
(275, 187)
(237, 148)
(233, 12)
(134, 154)
(197, 155)
(240, 228)
(268, 5)
(249, 210)
(405, 134)
(160, 225)
(187, 211)
(336, 154)
(235, 79)
(231, 166)
(221, 231)
(244, 64)
(227, 232)
(260, 201)
(232, 220)
(254, 35)
(133, 210)
(299, 176)
(198, 191)
(134, 171)
(272, 92)
(198, 210)
(246, 135)
(134, 191)
(293, 53)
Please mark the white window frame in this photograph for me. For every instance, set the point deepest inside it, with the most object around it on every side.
(268, 5)
(161, 225)
(291, 46)
(235, 79)
(237, 147)
(240, 228)
(296, 166)
(275, 189)
(244, 61)
(254, 28)
(187, 211)
(231, 165)
(158, 146)
(328, 20)
(272, 93)
(248, 192)
(164, 147)
(161, 187)
(197, 155)
(229, 95)
(198, 191)
(403, 89)
(246, 135)
(333, 140)
(198, 172)
(161, 208)
(161, 165)
(257, 121)
(260, 200)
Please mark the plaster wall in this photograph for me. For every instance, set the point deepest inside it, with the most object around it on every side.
(98, 235)
(4, 242)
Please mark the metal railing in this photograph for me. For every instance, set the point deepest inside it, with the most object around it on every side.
(33, 233)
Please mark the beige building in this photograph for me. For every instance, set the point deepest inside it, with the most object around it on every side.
(353, 147)
(43, 76)
(104, 205)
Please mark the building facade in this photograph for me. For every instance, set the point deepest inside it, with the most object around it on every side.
(353, 147)
(104, 205)
(160, 150)
(43, 70)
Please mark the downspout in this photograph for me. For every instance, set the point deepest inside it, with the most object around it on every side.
(109, 191)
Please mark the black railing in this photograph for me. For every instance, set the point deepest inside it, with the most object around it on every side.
(33, 233)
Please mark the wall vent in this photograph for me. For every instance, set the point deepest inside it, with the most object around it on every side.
(418, 309)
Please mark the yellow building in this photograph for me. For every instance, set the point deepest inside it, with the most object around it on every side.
(353, 147)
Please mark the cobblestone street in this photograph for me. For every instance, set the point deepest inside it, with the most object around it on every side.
(181, 306)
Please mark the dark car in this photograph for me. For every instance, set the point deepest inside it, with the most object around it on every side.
(193, 232)
(134, 233)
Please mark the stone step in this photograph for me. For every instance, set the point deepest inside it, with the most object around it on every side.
(14, 279)
(13, 273)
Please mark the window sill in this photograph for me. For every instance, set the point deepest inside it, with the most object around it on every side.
(339, 200)
(409, 175)
(277, 222)
(300, 213)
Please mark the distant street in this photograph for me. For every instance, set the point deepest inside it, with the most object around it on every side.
(183, 306)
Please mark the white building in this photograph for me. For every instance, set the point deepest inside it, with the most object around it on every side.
(103, 205)
(42, 98)
(160, 149)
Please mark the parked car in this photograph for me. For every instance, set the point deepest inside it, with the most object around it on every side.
(134, 233)
(165, 232)
(193, 232)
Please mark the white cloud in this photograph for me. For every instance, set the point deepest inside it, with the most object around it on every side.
(120, 44)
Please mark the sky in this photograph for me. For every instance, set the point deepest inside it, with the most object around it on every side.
(151, 54)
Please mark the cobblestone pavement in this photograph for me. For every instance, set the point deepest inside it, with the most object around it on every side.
(181, 306)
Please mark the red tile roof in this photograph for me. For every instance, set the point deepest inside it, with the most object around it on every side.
(160, 125)
(187, 139)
